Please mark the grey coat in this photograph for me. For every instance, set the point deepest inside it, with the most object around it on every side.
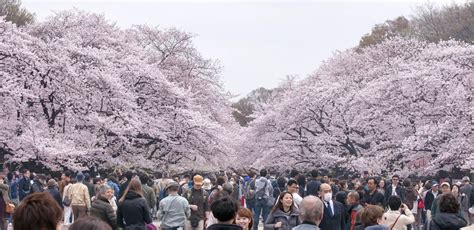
(102, 209)
(288, 221)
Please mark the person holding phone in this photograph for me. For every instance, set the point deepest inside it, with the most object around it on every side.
(398, 216)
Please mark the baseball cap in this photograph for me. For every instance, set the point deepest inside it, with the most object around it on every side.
(445, 184)
(198, 180)
(172, 184)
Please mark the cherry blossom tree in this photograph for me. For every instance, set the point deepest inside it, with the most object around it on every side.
(396, 106)
(77, 91)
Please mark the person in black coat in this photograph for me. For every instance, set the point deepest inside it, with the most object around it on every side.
(133, 211)
(333, 217)
(373, 196)
(395, 185)
(312, 187)
(24, 186)
(54, 191)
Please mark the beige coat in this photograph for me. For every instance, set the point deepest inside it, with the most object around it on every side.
(390, 217)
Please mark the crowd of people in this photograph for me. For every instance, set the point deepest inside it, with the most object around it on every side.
(214, 201)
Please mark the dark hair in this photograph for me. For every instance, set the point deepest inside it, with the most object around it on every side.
(220, 181)
(279, 204)
(251, 174)
(68, 173)
(394, 202)
(10, 176)
(373, 178)
(37, 211)
(89, 223)
(301, 180)
(291, 182)
(245, 212)
(263, 172)
(407, 183)
(143, 178)
(187, 176)
(96, 180)
(448, 203)
(281, 181)
(25, 171)
(87, 176)
(128, 175)
(294, 173)
(314, 173)
(370, 214)
(398, 177)
(224, 209)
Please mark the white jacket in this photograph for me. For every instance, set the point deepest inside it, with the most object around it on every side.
(390, 217)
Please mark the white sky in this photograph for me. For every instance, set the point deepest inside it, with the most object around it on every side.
(257, 42)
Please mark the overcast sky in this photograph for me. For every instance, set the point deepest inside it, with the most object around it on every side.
(257, 42)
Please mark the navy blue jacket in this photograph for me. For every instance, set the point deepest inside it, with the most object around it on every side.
(337, 221)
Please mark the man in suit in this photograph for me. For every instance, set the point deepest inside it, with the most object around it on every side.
(333, 218)
(395, 189)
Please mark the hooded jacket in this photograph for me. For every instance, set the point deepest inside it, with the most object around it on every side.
(447, 221)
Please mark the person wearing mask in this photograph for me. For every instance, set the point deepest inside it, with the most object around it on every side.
(448, 217)
(333, 218)
(373, 196)
(398, 216)
(394, 189)
(311, 213)
(173, 209)
(101, 207)
(284, 214)
(354, 209)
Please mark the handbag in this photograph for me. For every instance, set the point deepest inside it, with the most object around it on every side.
(67, 200)
(9, 208)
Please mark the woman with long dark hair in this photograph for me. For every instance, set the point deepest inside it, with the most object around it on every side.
(133, 211)
(284, 214)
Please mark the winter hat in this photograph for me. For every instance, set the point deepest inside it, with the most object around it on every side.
(207, 184)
